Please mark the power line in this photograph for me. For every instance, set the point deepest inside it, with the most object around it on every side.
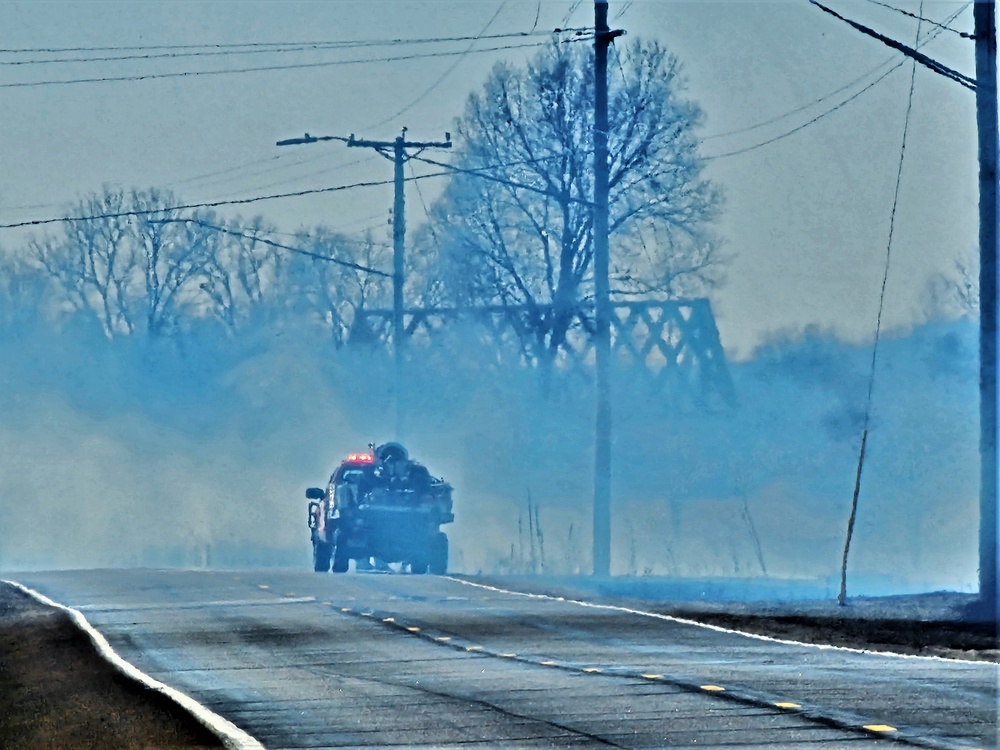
(930, 37)
(178, 55)
(815, 119)
(293, 66)
(444, 75)
(842, 598)
(211, 204)
(289, 179)
(279, 45)
(482, 173)
(272, 243)
(954, 75)
(943, 26)
(833, 109)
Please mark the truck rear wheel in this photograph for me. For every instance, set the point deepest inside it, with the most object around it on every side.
(418, 567)
(341, 557)
(321, 557)
(439, 554)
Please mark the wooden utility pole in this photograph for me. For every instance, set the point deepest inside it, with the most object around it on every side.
(603, 36)
(986, 120)
(398, 146)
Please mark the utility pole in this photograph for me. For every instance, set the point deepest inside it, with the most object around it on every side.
(986, 119)
(398, 146)
(603, 36)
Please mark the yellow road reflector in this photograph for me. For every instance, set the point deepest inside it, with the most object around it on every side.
(508, 656)
(591, 670)
(413, 629)
(443, 638)
(473, 648)
(389, 619)
(880, 728)
(652, 676)
(548, 663)
(785, 704)
(713, 688)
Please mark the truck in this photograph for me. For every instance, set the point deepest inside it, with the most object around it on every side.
(380, 505)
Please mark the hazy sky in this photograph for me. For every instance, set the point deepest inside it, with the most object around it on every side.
(806, 219)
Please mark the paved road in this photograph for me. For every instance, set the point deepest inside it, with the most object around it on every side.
(301, 660)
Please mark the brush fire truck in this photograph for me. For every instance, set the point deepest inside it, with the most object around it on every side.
(380, 505)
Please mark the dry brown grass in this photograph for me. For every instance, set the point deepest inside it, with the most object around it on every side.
(56, 692)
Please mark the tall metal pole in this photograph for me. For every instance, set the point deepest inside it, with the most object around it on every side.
(986, 120)
(602, 301)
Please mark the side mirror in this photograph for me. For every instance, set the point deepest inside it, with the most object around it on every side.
(315, 493)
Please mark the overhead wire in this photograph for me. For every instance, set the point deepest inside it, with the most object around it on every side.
(921, 18)
(878, 328)
(325, 170)
(272, 243)
(445, 74)
(927, 62)
(209, 204)
(829, 111)
(278, 45)
(261, 68)
(448, 169)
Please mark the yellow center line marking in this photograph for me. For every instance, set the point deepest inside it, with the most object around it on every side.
(785, 704)
(443, 638)
(652, 676)
(263, 586)
(713, 688)
(508, 656)
(880, 728)
(473, 648)
(413, 629)
(592, 670)
(389, 619)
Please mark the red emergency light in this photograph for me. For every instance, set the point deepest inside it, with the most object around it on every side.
(363, 458)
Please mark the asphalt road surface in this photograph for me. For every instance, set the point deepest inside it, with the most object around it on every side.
(304, 660)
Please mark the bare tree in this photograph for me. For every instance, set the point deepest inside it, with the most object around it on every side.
(954, 295)
(514, 228)
(336, 294)
(172, 256)
(25, 293)
(127, 258)
(240, 270)
(93, 262)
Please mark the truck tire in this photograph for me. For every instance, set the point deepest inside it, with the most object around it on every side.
(341, 558)
(418, 567)
(439, 554)
(321, 556)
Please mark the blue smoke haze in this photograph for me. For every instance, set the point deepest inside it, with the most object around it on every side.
(197, 450)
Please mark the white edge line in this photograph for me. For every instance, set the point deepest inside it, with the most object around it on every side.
(719, 629)
(231, 735)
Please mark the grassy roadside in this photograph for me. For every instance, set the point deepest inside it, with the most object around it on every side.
(57, 693)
